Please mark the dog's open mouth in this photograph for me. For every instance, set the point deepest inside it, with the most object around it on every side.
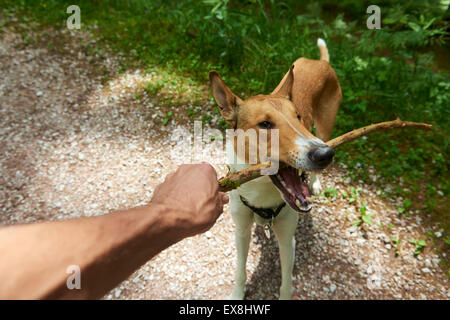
(292, 183)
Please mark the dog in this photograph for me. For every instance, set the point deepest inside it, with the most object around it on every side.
(308, 94)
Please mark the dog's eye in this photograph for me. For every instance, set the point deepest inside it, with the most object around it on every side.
(299, 117)
(265, 125)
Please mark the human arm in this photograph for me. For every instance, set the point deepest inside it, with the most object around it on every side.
(110, 247)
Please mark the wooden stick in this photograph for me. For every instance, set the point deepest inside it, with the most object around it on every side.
(234, 179)
(352, 135)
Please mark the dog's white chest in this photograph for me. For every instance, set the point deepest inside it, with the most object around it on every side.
(261, 193)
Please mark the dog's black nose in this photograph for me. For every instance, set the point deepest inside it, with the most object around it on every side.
(321, 156)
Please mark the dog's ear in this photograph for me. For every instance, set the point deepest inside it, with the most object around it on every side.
(284, 89)
(228, 102)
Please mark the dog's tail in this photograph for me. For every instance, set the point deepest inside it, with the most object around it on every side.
(323, 50)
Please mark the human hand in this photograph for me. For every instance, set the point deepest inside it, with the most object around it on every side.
(190, 199)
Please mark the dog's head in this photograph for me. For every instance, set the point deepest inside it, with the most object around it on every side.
(298, 149)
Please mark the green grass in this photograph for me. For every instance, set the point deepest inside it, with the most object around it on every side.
(396, 243)
(420, 244)
(384, 74)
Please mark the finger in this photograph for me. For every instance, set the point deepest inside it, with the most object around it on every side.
(209, 168)
(219, 205)
(170, 175)
(225, 198)
(155, 191)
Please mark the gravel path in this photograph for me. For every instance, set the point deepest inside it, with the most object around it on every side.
(72, 146)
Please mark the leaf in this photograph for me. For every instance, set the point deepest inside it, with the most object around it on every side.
(427, 25)
(367, 219)
(330, 192)
(339, 23)
(414, 26)
(421, 243)
(407, 203)
(363, 209)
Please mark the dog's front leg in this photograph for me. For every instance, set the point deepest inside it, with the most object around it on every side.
(242, 243)
(284, 228)
(243, 218)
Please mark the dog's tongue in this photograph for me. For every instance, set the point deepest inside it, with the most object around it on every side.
(295, 184)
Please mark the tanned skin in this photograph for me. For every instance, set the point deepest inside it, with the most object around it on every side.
(110, 247)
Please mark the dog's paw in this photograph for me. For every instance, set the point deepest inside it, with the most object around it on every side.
(237, 294)
(286, 294)
(315, 185)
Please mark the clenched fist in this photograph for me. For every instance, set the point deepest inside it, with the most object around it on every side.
(190, 199)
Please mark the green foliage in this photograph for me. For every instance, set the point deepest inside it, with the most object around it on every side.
(330, 192)
(191, 112)
(420, 244)
(167, 117)
(396, 244)
(366, 217)
(406, 205)
(400, 70)
(354, 195)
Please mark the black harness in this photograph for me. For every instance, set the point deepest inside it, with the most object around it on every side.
(265, 213)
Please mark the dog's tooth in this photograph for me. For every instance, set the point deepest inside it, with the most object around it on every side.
(283, 184)
(297, 203)
(300, 171)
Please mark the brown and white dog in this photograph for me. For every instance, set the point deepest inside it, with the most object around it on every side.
(308, 93)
